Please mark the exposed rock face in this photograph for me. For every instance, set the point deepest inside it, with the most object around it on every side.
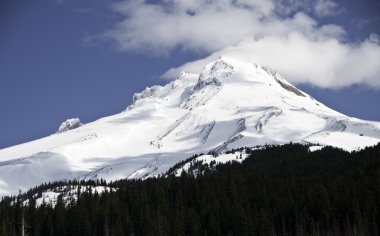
(69, 124)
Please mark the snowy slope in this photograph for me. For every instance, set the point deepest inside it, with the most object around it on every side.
(189, 165)
(68, 194)
(230, 104)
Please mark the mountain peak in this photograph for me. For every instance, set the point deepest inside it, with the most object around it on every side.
(230, 104)
(197, 88)
(213, 73)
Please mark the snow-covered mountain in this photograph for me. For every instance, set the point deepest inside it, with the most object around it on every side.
(230, 104)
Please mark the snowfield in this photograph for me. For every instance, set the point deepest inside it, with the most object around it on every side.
(223, 158)
(68, 194)
(231, 103)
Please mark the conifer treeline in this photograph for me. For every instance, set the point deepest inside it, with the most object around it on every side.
(280, 190)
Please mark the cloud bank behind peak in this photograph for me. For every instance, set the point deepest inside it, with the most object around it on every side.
(274, 34)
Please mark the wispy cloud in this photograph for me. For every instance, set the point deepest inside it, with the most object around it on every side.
(324, 8)
(281, 36)
(205, 25)
(327, 64)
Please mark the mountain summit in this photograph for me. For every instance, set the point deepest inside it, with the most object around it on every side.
(230, 104)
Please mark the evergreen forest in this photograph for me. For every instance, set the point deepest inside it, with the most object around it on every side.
(277, 190)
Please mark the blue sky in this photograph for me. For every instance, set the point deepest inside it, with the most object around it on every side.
(66, 58)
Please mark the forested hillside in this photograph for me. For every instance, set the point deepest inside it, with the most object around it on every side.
(277, 190)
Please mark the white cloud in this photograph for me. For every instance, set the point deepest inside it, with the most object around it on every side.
(324, 63)
(192, 24)
(296, 44)
(204, 25)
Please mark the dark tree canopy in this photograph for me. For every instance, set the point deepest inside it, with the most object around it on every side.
(278, 190)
